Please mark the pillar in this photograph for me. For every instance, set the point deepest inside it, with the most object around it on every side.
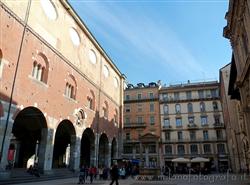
(46, 148)
(94, 157)
(108, 155)
(75, 152)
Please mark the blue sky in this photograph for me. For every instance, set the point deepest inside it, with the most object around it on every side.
(168, 40)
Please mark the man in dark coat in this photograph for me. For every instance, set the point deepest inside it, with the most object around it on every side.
(114, 175)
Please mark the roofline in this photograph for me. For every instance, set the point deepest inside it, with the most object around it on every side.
(85, 29)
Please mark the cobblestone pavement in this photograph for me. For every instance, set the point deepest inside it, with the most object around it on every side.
(215, 179)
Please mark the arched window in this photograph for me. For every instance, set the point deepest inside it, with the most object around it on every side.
(178, 108)
(190, 107)
(202, 107)
(70, 89)
(91, 100)
(40, 68)
(105, 110)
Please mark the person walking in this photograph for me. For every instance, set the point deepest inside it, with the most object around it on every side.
(114, 175)
(91, 174)
(82, 175)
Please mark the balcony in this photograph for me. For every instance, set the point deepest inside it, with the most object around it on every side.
(166, 127)
(134, 125)
(219, 125)
(171, 99)
(127, 141)
(192, 126)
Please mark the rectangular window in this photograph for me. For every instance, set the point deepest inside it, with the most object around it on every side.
(151, 95)
(127, 108)
(152, 107)
(189, 95)
(219, 134)
(191, 120)
(192, 135)
(180, 136)
(181, 149)
(178, 122)
(127, 97)
(214, 93)
(139, 119)
(168, 149)
(176, 96)
(204, 120)
(221, 148)
(152, 120)
(165, 96)
(139, 96)
(205, 135)
(217, 119)
(201, 94)
(167, 136)
(207, 148)
(194, 149)
(127, 120)
(165, 109)
(166, 122)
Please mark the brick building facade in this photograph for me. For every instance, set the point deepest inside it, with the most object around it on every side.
(61, 95)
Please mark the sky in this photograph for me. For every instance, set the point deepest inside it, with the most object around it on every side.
(168, 40)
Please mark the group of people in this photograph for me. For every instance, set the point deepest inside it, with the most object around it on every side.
(92, 172)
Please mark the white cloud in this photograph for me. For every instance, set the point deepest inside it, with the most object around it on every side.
(148, 38)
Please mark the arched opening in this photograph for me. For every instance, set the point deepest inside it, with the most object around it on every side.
(28, 132)
(103, 151)
(87, 148)
(65, 140)
(113, 150)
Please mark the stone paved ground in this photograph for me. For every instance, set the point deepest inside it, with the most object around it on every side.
(215, 179)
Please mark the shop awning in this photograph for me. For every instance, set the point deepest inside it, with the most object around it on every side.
(181, 160)
(199, 160)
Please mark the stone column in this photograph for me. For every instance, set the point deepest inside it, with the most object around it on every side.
(108, 155)
(75, 152)
(8, 136)
(94, 157)
(46, 148)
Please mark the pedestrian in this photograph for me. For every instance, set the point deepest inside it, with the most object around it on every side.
(82, 175)
(100, 172)
(91, 174)
(114, 172)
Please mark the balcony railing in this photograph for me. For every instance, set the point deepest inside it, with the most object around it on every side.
(196, 140)
(166, 127)
(184, 98)
(219, 125)
(134, 125)
(192, 126)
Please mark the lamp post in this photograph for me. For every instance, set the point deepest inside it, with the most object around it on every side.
(36, 152)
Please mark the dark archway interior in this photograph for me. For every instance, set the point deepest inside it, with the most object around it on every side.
(64, 133)
(103, 150)
(27, 129)
(87, 147)
(113, 149)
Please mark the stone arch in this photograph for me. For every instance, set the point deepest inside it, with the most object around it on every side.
(87, 148)
(65, 142)
(29, 133)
